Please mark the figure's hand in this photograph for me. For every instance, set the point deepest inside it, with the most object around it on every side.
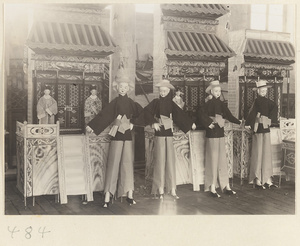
(156, 126)
(131, 126)
(241, 123)
(89, 130)
(211, 126)
(194, 126)
(248, 127)
(49, 112)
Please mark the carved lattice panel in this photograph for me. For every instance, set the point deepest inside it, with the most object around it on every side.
(271, 94)
(186, 97)
(61, 102)
(194, 96)
(38, 90)
(86, 91)
(74, 94)
(250, 97)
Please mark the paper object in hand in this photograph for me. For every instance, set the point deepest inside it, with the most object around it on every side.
(219, 120)
(115, 127)
(125, 124)
(167, 122)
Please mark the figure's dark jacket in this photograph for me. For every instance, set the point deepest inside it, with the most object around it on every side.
(210, 109)
(164, 106)
(265, 107)
(121, 105)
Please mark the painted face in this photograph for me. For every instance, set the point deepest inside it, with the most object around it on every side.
(262, 91)
(47, 92)
(216, 92)
(178, 93)
(93, 92)
(164, 91)
(123, 88)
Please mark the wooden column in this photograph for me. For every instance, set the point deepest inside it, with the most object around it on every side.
(123, 33)
(159, 45)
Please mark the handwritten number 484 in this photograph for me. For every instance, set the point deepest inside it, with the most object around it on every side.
(28, 231)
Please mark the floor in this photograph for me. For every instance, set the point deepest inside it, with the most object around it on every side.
(247, 201)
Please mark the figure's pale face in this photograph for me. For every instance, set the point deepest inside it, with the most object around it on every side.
(178, 93)
(216, 92)
(123, 88)
(262, 91)
(163, 91)
(93, 92)
(47, 92)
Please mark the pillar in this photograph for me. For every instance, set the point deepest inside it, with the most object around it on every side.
(159, 45)
(122, 21)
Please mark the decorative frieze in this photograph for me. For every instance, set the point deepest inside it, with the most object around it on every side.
(69, 66)
(189, 24)
(71, 76)
(195, 63)
(189, 20)
(71, 59)
(259, 70)
(182, 68)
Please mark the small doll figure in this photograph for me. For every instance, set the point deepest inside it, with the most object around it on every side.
(46, 107)
(177, 99)
(262, 113)
(160, 114)
(120, 111)
(213, 115)
(92, 106)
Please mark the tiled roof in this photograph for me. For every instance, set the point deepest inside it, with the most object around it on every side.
(282, 52)
(194, 44)
(70, 37)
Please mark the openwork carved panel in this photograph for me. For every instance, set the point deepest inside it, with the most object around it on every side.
(194, 96)
(271, 94)
(86, 91)
(20, 163)
(34, 131)
(289, 157)
(62, 99)
(28, 166)
(288, 129)
(228, 135)
(74, 95)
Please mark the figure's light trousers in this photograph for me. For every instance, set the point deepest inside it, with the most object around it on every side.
(261, 166)
(164, 164)
(215, 163)
(119, 170)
